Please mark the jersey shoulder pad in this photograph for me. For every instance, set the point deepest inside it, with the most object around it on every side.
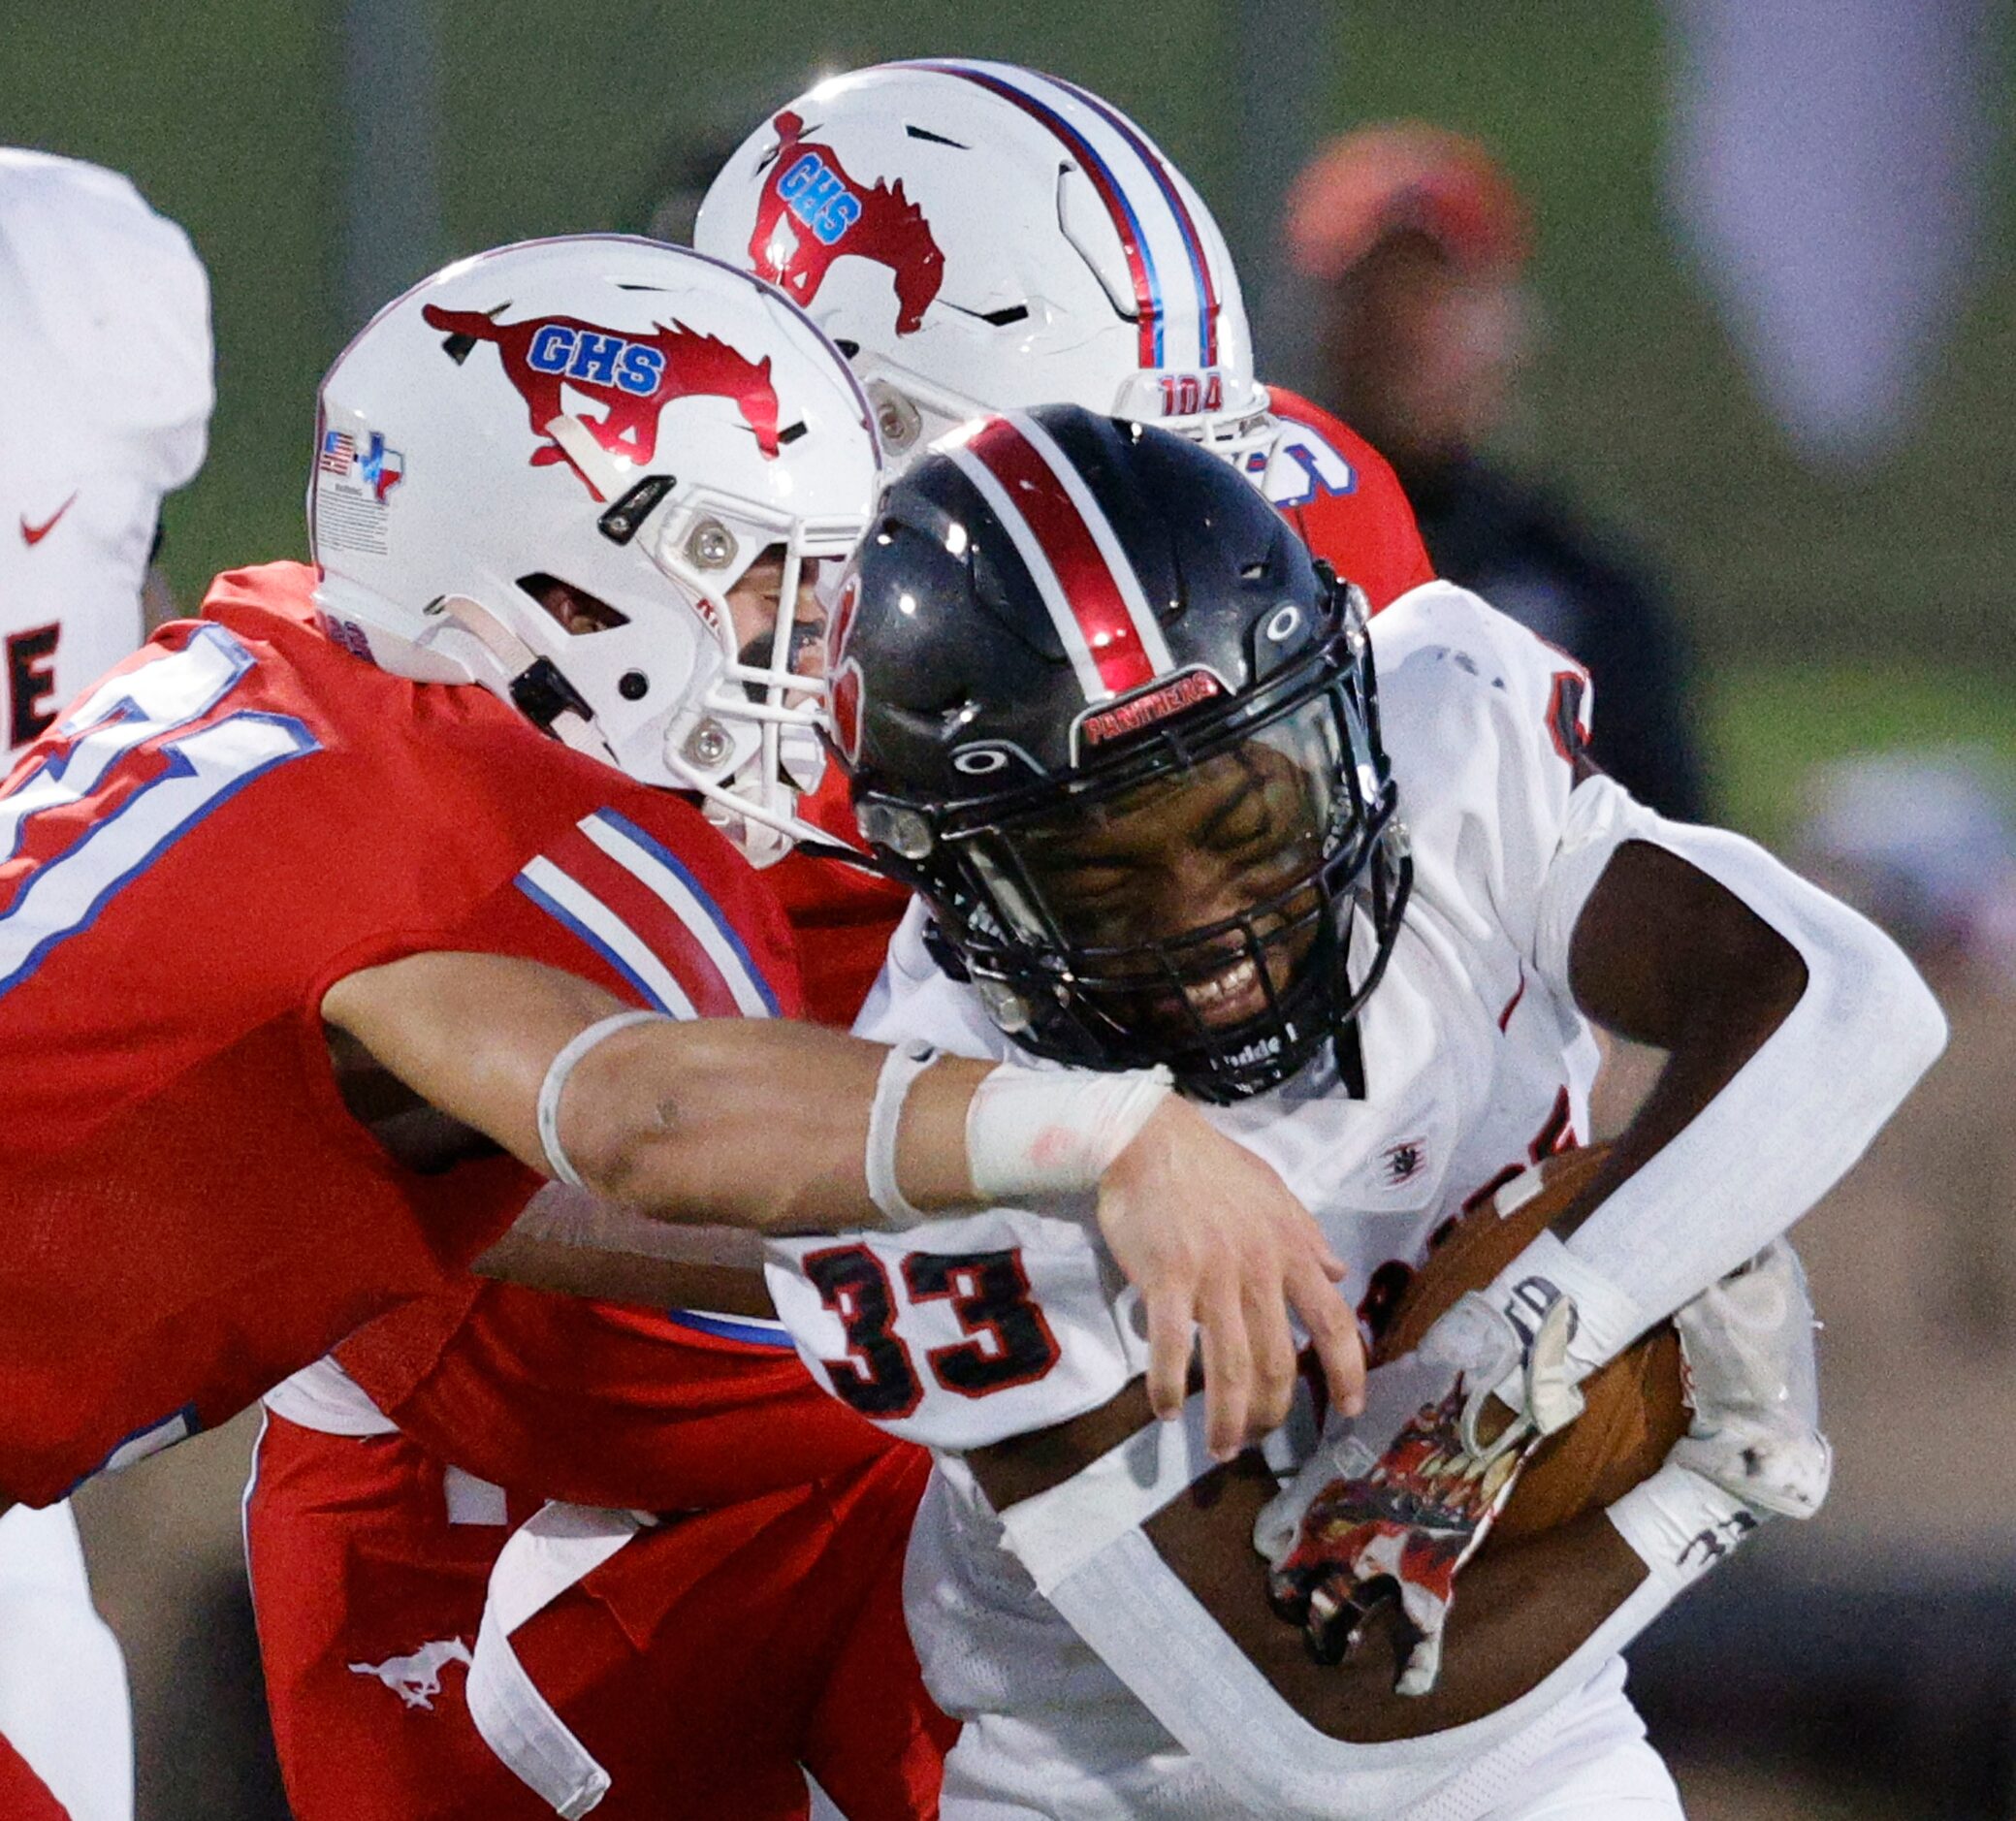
(1292, 409)
(1343, 498)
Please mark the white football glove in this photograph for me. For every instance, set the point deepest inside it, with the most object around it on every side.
(1755, 1450)
(1395, 1504)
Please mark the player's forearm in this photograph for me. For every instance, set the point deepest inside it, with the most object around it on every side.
(730, 1122)
(1527, 1608)
(1795, 1029)
(760, 1125)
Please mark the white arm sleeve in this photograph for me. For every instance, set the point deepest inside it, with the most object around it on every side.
(1125, 1602)
(1791, 1121)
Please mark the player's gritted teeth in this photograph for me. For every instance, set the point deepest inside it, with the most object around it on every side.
(1230, 994)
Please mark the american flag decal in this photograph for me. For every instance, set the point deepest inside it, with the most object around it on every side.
(339, 451)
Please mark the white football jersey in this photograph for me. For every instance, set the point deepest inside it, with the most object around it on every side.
(964, 1331)
(105, 370)
(1477, 1063)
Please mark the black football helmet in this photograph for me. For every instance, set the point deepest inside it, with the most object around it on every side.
(1102, 709)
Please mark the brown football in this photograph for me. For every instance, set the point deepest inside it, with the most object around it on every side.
(1634, 1409)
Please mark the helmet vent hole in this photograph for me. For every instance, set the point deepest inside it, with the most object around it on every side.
(932, 138)
(575, 609)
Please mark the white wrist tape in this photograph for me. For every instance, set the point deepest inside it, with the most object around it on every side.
(1056, 1531)
(556, 1084)
(1055, 1130)
(1606, 1320)
(1680, 1525)
(901, 1067)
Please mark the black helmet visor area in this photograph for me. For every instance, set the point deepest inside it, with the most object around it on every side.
(1197, 913)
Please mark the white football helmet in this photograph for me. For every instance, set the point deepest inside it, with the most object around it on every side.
(637, 424)
(979, 238)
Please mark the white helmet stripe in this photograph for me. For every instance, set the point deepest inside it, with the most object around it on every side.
(1037, 564)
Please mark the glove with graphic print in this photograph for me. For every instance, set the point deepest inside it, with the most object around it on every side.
(1355, 1530)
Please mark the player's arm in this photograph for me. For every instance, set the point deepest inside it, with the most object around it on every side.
(1793, 1030)
(1543, 1596)
(1153, 1565)
(784, 1128)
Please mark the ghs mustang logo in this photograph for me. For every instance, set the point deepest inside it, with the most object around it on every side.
(832, 214)
(633, 378)
(417, 1678)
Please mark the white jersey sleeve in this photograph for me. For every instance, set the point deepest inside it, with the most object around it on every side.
(105, 366)
(959, 1332)
(1485, 723)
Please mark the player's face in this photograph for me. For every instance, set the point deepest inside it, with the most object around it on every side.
(753, 603)
(1237, 840)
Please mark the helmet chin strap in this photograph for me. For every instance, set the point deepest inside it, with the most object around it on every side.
(515, 663)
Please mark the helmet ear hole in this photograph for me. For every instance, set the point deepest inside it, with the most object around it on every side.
(574, 609)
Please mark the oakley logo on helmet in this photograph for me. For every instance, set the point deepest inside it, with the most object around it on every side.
(839, 215)
(633, 377)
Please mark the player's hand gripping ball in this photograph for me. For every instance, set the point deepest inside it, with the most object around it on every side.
(1401, 1528)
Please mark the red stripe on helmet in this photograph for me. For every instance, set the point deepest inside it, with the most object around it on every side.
(1165, 181)
(1147, 307)
(1091, 590)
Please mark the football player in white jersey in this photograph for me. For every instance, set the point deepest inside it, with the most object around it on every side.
(105, 366)
(1129, 744)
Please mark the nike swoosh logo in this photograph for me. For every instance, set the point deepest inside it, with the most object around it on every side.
(33, 534)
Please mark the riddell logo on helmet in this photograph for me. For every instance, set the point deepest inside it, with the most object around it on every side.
(831, 214)
(633, 377)
(1144, 711)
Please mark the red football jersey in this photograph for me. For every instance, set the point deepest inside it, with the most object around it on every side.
(559, 1397)
(841, 915)
(1344, 501)
(234, 819)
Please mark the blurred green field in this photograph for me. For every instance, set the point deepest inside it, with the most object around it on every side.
(1830, 613)
(1767, 724)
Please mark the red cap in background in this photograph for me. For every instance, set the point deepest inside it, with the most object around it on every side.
(1405, 175)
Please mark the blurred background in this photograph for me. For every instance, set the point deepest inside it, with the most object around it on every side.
(1756, 346)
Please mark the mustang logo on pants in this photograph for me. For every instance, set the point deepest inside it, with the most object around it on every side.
(417, 1678)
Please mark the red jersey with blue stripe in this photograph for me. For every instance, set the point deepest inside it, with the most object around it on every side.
(1343, 498)
(231, 821)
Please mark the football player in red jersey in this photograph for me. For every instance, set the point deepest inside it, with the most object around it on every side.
(977, 237)
(585, 476)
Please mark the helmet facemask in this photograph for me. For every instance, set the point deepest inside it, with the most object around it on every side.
(746, 740)
(1220, 895)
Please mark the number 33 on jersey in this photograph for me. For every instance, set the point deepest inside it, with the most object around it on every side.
(965, 1331)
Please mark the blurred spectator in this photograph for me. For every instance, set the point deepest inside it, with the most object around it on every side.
(1925, 844)
(1419, 239)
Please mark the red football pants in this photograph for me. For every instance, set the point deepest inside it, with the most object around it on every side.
(25, 1797)
(702, 1665)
